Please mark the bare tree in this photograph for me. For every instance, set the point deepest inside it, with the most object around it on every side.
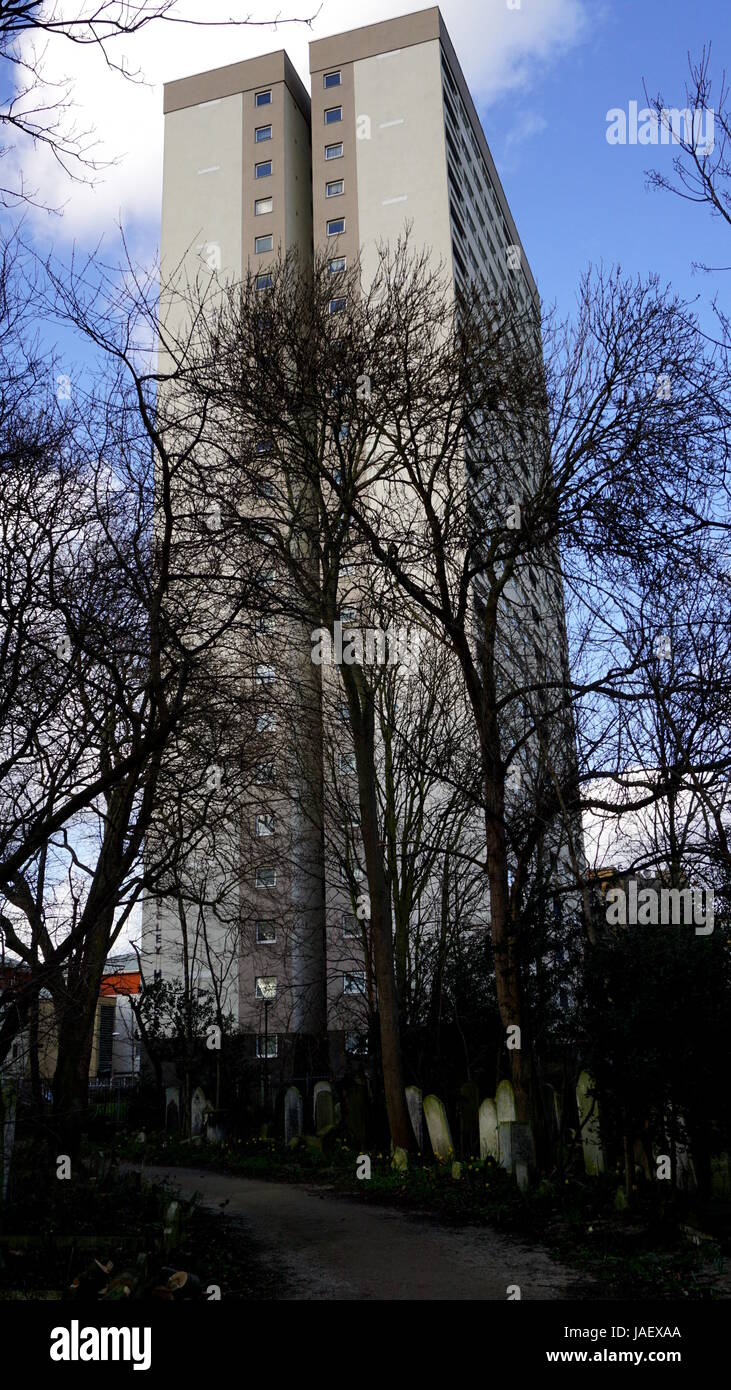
(41, 111)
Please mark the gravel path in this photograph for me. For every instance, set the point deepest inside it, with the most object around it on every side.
(328, 1247)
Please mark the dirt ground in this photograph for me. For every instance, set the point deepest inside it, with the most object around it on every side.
(327, 1247)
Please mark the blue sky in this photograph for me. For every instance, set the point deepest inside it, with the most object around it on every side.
(577, 199)
(543, 74)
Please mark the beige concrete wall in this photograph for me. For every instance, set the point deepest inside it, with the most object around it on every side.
(401, 160)
(298, 178)
(203, 208)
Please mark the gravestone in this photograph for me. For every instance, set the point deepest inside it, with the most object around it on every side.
(552, 1107)
(7, 1136)
(517, 1150)
(172, 1227)
(505, 1148)
(721, 1176)
(323, 1106)
(293, 1114)
(198, 1108)
(469, 1108)
(489, 1147)
(523, 1153)
(172, 1107)
(216, 1127)
(685, 1170)
(505, 1102)
(440, 1135)
(356, 1114)
(416, 1114)
(400, 1160)
(594, 1162)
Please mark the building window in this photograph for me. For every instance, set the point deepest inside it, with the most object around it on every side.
(263, 243)
(264, 826)
(354, 982)
(334, 151)
(265, 773)
(264, 488)
(346, 872)
(356, 1044)
(332, 79)
(266, 878)
(332, 115)
(265, 675)
(335, 188)
(335, 226)
(266, 933)
(266, 723)
(106, 1039)
(336, 306)
(346, 762)
(262, 205)
(349, 924)
(337, 265)
(263, 99)
(263, 170)
(262, 132)
(266, 986)
(264, 282)
(267, 1046)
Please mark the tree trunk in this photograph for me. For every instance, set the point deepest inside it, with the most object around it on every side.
(508, 983)
(360, 705)
(71, 1078)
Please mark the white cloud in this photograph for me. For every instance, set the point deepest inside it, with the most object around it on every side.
(499, 47)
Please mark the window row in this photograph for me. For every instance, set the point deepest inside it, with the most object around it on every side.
(266, 929)
(264, 97)
(266, 876)
(354, 982)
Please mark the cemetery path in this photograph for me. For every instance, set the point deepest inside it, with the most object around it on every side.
(327, 1247)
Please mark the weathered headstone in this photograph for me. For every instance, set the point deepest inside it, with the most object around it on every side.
(293, 1114)
(505, 1102)
(400, 1160)
(198, 1107)
(356, 1114)
(488, 1130)
(7, 1136)
(505, 1148)
(416, 1114)
(685, 1169)
(323, 1106)
(552, 1107)
(523, 1153)
(172, 1107)
(437, 1124)
(172, 1227)
(469, 1107)
(721, 1176)
(591, 1140)
(216, 1127)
